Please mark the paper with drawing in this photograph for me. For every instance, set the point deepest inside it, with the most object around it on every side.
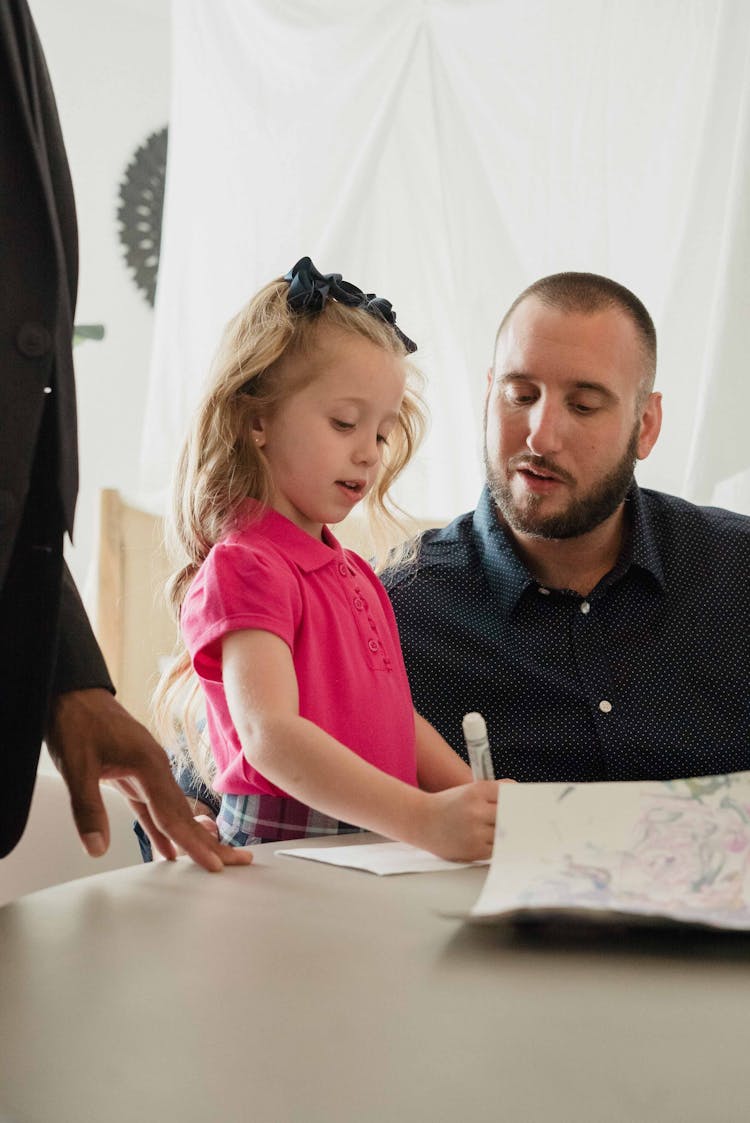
(676, 850)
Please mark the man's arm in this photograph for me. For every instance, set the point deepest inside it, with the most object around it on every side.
(80, 664)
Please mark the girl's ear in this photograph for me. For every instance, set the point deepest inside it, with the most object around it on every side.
(259, 431)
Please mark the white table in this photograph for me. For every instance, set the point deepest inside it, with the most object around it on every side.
(292, 992)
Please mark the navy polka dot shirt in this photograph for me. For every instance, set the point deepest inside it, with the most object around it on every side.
(646, 678)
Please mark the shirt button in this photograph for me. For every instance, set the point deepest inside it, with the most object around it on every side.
(358, 603)
(544, 592)
(605, 706)
(343, 570)
(373, 645)
(585, 607)
(33, 340)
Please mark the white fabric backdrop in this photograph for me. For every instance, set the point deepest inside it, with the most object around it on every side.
(445, 153)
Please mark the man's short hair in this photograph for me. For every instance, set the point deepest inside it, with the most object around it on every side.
(587, 293)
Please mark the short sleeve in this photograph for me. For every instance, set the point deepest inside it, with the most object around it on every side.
(240, 585)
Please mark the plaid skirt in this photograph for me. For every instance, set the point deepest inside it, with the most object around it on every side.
(245, 820)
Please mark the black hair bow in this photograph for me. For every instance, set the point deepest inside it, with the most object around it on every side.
(309, 290)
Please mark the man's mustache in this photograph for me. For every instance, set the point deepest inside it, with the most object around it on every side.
(540, 464)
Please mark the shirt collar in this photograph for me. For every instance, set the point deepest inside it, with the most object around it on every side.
(306, 552)
(508, 577)
(642, 549)
(504, 572)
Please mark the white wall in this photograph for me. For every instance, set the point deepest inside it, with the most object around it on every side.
(110, 66)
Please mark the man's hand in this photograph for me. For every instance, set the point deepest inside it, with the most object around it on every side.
(92, 738)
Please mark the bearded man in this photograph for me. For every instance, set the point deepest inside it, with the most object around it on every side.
(601, 628)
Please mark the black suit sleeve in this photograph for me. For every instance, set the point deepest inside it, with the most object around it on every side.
(80, 664)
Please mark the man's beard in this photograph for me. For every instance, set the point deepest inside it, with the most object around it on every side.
(581, 515)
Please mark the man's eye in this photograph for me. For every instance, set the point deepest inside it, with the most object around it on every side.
(583, 408)
(342, 426)
(517, 398)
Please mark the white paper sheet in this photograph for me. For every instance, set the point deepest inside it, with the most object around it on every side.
(673, 851)
(382, 858)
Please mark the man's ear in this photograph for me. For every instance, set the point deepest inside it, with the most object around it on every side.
(650, 426)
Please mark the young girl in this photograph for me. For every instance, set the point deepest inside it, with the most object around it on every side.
(293, 639)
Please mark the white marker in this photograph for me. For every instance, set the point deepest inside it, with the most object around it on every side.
(478, 747)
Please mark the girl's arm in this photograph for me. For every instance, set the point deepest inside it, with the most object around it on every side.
(438, 766)
(295, 754)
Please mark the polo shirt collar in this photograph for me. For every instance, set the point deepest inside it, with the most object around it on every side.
(307, 553)
(507, 576)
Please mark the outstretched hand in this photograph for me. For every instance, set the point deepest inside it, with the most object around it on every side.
(92, 738)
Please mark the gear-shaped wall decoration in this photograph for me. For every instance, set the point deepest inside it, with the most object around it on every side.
(141, 197)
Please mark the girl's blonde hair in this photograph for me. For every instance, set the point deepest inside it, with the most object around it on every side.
(220, 465)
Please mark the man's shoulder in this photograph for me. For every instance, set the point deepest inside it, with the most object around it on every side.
(688, 521)
(443, 549)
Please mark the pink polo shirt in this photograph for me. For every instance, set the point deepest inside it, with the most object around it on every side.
(328, 606)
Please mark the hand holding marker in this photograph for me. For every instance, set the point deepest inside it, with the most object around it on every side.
(478, 747)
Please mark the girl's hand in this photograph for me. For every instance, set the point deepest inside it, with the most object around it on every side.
(459, 823)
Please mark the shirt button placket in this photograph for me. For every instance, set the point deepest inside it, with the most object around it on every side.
(593, 669)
